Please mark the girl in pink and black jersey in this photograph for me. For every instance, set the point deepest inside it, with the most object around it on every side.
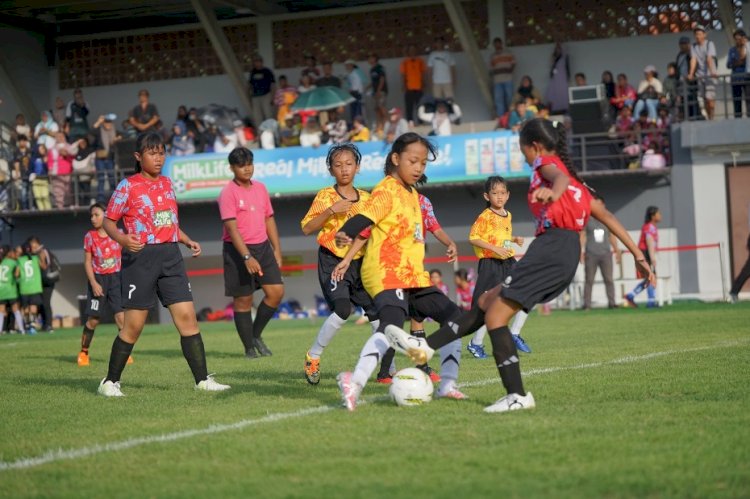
(152, 264)
(648, 244)
(561, 204)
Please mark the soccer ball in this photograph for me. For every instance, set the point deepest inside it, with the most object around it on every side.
(411, 386)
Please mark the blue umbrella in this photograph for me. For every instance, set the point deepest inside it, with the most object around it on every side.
(322, 99)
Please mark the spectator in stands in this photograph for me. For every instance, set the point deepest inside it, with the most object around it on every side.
(46, 129)
(703, 68)
(269, 134)
(502, 64)
(311, 133)
(686, 90)
(412, 71)
(145, 116)
(737, 61)
(328, 79)
(359, 131)
(196, 129)
(669, 87)
(608, 81)
(76, 116)
(649, 93)
(182, 143)
(285, 96)
(21, 128)
(83, 172)
(395, 127)
(40, 178)
(624, 122)
(580, 80)
(58, 114)
(104, 162)
(60, 167)
(378, 88)
(442, 70)
(597, 246)
(337, 128)
(246, 133)
(356, 86)
(306, 84)
(225, 141)
(20, 174)
(291, 131)
(526, 91)
(128, 130)
(557, 91)
(310, 69)
(542, 111)
(262, 87)
(519, 116)
(441, 117)
(625, 95)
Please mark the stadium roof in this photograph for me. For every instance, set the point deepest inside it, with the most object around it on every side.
(80, 17)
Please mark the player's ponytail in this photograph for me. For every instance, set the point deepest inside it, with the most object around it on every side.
(651, 211)
(401, 143)
(147, 141)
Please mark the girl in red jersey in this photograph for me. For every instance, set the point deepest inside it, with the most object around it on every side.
(561, 204)
(152, 264)
(648, 244)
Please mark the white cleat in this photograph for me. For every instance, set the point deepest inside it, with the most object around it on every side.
(415, 348)
(349, 390)
(211, 385)
(512, 402)
(451, 391)
(110, 389)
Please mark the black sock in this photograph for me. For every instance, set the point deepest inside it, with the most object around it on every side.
(243, 321)
(464, 325)
(506, 358)
(385, 363)
(121, 350)
(195, 355)
(86, 337)
(262, 317)
(418, 333)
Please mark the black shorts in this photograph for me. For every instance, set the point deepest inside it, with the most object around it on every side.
(419, 304)
(350, 288)
(238, 281)
(28, 300)
(112, 286)
(490, 273)
(546, 270)
(158, 270)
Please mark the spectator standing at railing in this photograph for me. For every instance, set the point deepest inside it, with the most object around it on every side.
(378, 89)
(21, 128)
(442, 70)
(502, 64)
(39, 178)
(104, 162)
(356, 86)
(703, 68)
(557, 90)
(60, 167)
(738, 61)
(262, 88)
(687, 90)
(58, 114)
(20, 173)
(76, 116)
(145, 116)
(669, 87)
(45, 130)
(83, 169)
(649, 92)
(412, 70)
(625, 95)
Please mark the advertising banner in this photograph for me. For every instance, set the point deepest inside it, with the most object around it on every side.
(296, 170)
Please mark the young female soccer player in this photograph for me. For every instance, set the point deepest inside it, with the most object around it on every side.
(152, 264)
(9, 274)
(30, 285)
(393, 266)
(492, 238)
(561, 204)
(330, 209)
(102, 261)
(648, 244)
(252, 252)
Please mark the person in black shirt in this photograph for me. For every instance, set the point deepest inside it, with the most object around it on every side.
(145, 117)
(76, 117)
(262, 88)
(328, 79)
(379, 88)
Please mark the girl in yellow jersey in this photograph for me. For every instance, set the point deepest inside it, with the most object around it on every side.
(393, 266)
(330, 209)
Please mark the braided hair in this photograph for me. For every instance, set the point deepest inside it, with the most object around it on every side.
(337, 149)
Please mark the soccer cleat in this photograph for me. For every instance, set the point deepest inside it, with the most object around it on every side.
(384, 379)
(211, 385)
(83, 359)
(415, 348)
(733, 298)
(110, 389)
(451, 392)
(476, 350)
(312, 369)
(433, 374)
(630, 298)
(652, 304)
(349, 390)
(31, 331)
(521, 345)
(512, 402)
(130, 359)
(261, 347)
(250, 353)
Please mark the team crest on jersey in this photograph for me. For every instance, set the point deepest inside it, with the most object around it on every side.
(508, 280)
(418, 235)
(163, 218)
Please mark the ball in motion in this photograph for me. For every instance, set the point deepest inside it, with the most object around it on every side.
(410, 387)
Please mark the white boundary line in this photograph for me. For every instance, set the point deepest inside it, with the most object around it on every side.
(71, 454)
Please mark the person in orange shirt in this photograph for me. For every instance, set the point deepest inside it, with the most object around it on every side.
(413, 69)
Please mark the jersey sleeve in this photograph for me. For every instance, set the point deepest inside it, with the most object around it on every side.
(267, 207)
(478, 228)
(88, 243)
(119, 202)
(428, 215)
(377, 207)
(318, 206)
(227, 206)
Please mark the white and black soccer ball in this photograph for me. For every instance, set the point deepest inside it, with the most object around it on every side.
(179, 186)
(410, 387)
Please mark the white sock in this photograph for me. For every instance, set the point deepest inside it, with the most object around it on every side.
(327, 331)
(369, 358)
(374, 325)
(450, 360)
(478, 337)
(19, 320)
(518, 322)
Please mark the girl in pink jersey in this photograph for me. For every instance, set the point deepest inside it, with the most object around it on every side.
(561, 204)
(648, 244)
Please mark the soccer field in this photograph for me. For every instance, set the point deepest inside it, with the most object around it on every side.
(630, 403)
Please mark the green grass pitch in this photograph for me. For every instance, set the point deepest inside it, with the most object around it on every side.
(630, 403)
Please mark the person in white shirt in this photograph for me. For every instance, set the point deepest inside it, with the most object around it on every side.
(442, 70)
(649, 91)
(356, 86)
(444, 114)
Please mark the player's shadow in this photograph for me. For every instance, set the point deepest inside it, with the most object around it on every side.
(87, 385)
(63, 359)
(273, 383)
(171, 353)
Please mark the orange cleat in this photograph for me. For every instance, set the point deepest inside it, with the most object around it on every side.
(130, 359)
(83, 359)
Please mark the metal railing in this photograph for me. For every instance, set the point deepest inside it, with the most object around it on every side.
(618, 150)
(731, 94)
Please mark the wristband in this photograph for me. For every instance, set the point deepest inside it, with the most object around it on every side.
(246, 257)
